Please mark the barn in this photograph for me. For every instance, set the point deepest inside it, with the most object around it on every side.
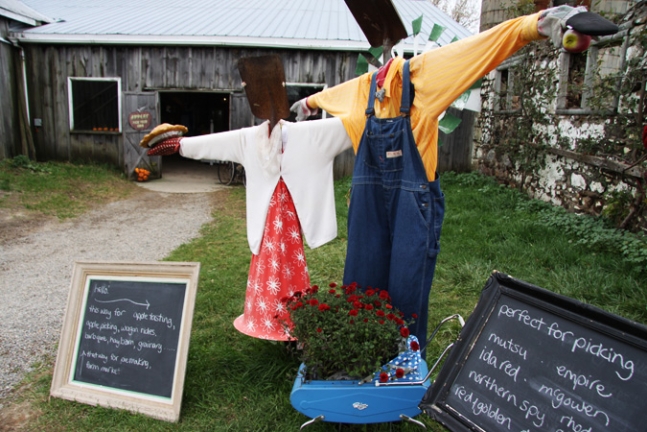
(14, 125)
(102, 74)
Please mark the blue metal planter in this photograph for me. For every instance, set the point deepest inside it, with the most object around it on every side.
(347, 401)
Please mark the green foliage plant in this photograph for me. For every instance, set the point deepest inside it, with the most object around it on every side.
(344, 331)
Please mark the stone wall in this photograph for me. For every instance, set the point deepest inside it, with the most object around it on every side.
(588, 157)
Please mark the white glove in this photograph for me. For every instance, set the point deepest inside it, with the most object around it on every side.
(552, 22)
(302, 110)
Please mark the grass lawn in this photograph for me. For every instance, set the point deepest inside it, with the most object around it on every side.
(238, 383)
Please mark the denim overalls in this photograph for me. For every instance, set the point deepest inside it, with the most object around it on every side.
(395, 213)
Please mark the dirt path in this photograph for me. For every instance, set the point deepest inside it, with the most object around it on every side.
(37, 256)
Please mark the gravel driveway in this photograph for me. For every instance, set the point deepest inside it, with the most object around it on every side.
(36, 268)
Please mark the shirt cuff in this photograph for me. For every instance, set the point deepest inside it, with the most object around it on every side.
(529, 29)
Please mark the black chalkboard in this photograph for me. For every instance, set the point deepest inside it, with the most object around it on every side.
(532, 360)
(125, 336)
(129, 335)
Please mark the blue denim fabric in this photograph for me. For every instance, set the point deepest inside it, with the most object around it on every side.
(395, 215)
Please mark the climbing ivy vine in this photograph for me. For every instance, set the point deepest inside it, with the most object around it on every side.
(523, 127)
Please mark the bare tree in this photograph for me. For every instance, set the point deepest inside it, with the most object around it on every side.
(464, 12)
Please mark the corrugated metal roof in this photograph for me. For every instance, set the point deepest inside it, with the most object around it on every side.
(315, 24)
(18, 11)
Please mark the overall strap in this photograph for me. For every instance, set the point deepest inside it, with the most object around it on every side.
(407, 90)
(371, 96)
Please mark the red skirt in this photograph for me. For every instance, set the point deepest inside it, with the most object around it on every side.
(278, 271)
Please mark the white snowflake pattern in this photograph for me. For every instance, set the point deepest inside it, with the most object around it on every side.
(299, 257)
(248, 304)
(250, 324)
(257, 287)
(272, 201)
(269, 324)
(294, 235)
(262, 305)
(290, 214)
(283, 248)
(279, 306)
(274, 285)
(278, 224)
(275, 264)
(288, 272)
(283, 196)
(260, 266)
(269, 245)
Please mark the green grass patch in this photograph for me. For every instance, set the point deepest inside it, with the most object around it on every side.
(238, 383)
(62, 190)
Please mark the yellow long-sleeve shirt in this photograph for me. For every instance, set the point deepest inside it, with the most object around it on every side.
(439, 76)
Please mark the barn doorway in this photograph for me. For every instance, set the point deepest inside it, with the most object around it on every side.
(202, 113)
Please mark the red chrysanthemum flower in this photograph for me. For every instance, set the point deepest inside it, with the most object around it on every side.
(353, 312)
(404, 332)
(369, 292)
(313, 302)
(384, 295)
(332, 291)
(332, 285)
(357, 304)
(365, 320)
(368, 307)
(390, 316)
(381, 321)
(319, 329)
(399, 373)
(384, 377)
(377, 303)
(414, 315)
(415, 346)
(324, 307)
(297, 305)
(388, 306)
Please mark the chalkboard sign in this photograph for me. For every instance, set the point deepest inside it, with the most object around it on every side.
(125, 336)
(532, 360)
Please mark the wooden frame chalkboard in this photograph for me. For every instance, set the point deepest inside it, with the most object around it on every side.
(532, 360)
(125, 336)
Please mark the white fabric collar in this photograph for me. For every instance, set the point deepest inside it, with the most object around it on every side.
(270, 147)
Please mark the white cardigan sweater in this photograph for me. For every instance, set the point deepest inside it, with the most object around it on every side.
(305, 163)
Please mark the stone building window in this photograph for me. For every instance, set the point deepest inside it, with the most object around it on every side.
(95, 104)
(505, 97)
(583, 76)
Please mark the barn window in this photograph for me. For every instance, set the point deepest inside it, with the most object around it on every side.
(95, 104)
(299, 91)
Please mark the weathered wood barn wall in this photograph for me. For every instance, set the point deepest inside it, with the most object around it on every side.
(9, 126)
(144, 71)
(150, 69)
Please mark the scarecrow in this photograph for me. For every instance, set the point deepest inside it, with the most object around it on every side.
(289, 190)
(391, 116)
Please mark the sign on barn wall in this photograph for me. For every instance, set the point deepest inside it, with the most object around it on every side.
(140, 111)
(140, 120)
